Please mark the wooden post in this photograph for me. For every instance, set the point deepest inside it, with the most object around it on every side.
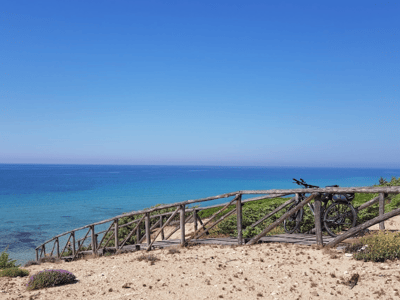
(73, 243)
(381, 210)
(195, 219)
(37, 254)
(116, 234)
(239, 219)
(137, 234)
(317, 217)
(93, 240)
(147, 224)
(44, 251)
(58, 248)
(162, 229)
(182, 226)
(96, 241)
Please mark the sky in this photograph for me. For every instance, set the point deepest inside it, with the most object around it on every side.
(224, 83)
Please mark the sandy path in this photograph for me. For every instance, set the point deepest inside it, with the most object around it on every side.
(265, 271)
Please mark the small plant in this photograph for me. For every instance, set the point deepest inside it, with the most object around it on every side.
(31, 263)
(173, 251)
(14, 272)
(49, 278)
(6, 262)
(150, 258)
(377, 247)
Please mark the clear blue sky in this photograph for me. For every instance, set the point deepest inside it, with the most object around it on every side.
(247, 83)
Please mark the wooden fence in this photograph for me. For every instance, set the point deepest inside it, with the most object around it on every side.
(182, 213)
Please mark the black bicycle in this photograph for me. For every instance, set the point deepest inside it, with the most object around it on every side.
(337, 213)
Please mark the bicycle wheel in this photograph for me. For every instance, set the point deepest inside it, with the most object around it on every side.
(292, 223)
(339, 217)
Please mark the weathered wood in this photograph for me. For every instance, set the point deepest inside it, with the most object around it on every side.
(109, 239)
(162, 228)
(363, 226)
(195, 220)
(93, 242)
(52, 249)
(105, 234)
(388, 190)
(381, 210)
(367, 204)
(37, 254)
(182, 225)
(138, 234)
(66, 245)
(239, 217)
(43, 251)
(147, 225)
(281, 219)
(317, 219)
(132, 231)
(214, 215)
(80, 246)
(116, 234)
(331, 190)
(273, 212)
(215, 223)
(177, 228)
(73, 243)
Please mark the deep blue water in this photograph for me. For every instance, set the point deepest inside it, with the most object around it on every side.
(40, 201)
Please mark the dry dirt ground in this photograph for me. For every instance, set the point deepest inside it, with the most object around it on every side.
(263, 271)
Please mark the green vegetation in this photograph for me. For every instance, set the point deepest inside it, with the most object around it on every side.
(377, 247)
(5, 261)
(49, 278)
(14, 272)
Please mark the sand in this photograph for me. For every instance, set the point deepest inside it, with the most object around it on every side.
(263, 271)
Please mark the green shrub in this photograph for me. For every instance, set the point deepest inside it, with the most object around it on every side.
(49, 278)
(378, 247)
(14, 272)
(5, 261)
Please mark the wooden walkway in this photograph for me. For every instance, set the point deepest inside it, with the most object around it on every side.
(299, 239)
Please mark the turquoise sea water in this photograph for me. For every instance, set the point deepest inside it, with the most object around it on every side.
(40, 201)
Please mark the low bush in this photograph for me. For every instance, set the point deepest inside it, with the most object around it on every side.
(31, 263)
(49, 278)
(6, 262)
(378, 247)
(14, 272)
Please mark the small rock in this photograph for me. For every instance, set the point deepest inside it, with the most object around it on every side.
(126, 286)
(110, 290)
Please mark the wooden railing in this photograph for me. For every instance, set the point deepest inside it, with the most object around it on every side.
(190, 214)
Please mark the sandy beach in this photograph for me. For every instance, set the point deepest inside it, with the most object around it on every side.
(263, 271)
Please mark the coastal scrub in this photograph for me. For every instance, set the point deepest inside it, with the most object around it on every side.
(49, 278)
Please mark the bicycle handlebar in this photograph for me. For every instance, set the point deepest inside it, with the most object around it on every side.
(303, 183)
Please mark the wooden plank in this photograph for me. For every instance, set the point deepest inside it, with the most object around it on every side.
(161, 228)
(132, 231)
(165, 224)
(93, 242)
(195, 220)
(66, 245)
(317, 220)
(116, 234)
(281, 219)
(80, 246)
(213, 216)
(182, 225)
(147, 228)
(73, 243)
(368, 204)
(239, 217)
(104, 236)
(215, 223)
(363, 226)
(273, 212)
(381, 210)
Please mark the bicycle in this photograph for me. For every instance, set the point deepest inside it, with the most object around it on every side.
(337, 217)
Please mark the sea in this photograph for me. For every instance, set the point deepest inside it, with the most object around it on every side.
(38, 202)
